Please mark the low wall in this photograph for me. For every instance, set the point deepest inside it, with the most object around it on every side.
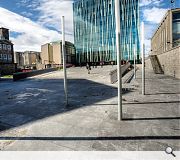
(22, 75)
(148, 64)
(170, 62)
(113, 73)
(7, 69)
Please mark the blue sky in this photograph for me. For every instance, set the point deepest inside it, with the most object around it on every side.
(36, 22)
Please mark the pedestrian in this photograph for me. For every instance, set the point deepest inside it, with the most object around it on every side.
(88, 67)
(112, 63)
(101, 64)
(93, 64)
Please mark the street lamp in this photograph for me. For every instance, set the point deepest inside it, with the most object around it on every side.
(64, 60)
(134, 61)
(142, 52)
(117, 16)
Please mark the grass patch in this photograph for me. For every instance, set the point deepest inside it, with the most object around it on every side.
(7, 76)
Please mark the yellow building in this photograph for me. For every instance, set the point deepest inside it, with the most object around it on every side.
(167, 35)
(46, 54)
(27, 58)
(51, 53)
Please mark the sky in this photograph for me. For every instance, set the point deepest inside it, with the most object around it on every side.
(36, 22)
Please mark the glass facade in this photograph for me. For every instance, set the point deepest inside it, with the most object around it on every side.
(95, 30)
(176, 28)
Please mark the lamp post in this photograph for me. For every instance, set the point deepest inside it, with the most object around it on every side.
(134, 61)
(142, 51)
(64, 61)
(117, 16)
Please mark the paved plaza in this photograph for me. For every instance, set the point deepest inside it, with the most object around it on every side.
(33, 115)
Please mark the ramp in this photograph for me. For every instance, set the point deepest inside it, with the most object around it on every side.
(156, 65)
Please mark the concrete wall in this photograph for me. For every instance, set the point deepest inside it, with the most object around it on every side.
(148, 64)
(57, 53)
(163, 35)
(163, 38)
(45, 54)
(30, 58)
(22, 75)
(170, 62)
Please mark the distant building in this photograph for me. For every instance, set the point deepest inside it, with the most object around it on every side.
(47, 54)
(167, 35)
(51, 53)
(18, 58)
(7, 65)
(27, 58)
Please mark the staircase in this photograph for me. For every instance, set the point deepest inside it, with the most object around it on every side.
(156, 65)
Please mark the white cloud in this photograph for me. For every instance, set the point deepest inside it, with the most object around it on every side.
(147, 46)
(149, 30)
(26, 14)
(50, 12)
(144, 3)
(30, 34)
(27, 3)
(154, 15)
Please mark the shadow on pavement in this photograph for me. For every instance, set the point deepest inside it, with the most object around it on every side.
(153, 102)
(92, 138)
(27, 101)
(152, 118)
(162, 93)
(140, 103)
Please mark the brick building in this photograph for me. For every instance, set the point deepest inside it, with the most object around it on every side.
(7, 65)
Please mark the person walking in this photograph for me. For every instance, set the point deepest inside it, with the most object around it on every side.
(88, 67)
(112, 63)
(101, 64)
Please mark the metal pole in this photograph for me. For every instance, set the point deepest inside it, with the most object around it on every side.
(64, 61)
(117, 15)
(143, 67)
(134, 61)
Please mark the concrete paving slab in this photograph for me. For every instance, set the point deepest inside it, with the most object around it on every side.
(151, 122)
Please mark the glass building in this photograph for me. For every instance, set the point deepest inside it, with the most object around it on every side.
(95, 30)
(176, 28)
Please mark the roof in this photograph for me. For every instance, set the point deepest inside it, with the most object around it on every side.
(3, 28)
(60, 41)
(6, 41)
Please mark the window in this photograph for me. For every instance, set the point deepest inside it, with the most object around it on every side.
(1, 57)
(4, 46)
(9, 47)
(10, 58)
(5, 57)
(0, 46)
